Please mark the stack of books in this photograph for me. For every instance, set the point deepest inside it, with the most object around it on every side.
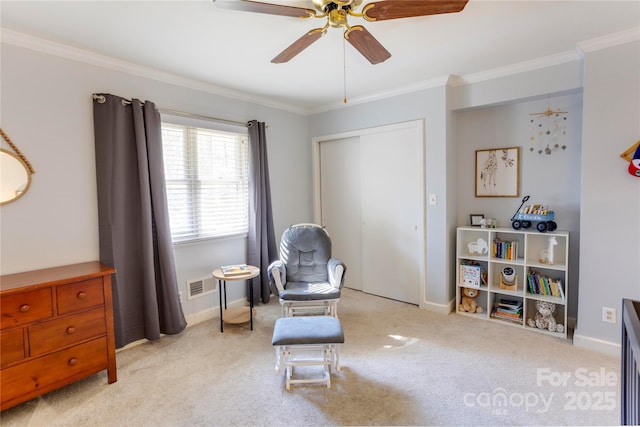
(505, 250)
(509, 310)
(235, 270)
(543, 285)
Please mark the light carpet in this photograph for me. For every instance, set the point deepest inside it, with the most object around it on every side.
(400, 366)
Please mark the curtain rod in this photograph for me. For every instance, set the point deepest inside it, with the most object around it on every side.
(200, 116)
(101, 99)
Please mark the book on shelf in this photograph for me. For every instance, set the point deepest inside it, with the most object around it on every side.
(505, 250)
(510, 304)
(543, 285)
(560, 289)
(471, 275)
(513, 318)
(235, 270)
(509, 310)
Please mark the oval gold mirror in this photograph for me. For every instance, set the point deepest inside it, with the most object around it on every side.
(15, 177)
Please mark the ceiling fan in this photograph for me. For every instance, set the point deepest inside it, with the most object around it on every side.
(337, 11)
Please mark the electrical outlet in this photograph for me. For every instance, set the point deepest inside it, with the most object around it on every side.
(608, 315)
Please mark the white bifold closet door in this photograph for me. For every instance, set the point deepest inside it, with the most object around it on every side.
(372, 202)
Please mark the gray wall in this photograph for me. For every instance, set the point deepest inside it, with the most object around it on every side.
(610, 204)
(47, 111)
(552, 180)
(595, 199)
(430, 105)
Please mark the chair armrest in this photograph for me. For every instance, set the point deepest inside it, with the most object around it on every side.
(277, 276)
(336, 270)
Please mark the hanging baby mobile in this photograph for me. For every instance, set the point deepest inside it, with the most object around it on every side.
(547, 131)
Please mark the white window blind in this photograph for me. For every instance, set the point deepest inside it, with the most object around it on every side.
(207, 175)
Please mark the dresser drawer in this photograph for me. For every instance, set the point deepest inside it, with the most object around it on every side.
(11, 346)
(45, 373)
(79, 295)
(65, 331)
(19, 309)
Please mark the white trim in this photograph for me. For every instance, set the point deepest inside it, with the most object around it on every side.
(419, 125)
(517, 68)
(75, 54)
(203, 316)
(438, 308)
(610, 40)
(81, 55)
(595, 344)
(422, 85)
(315, 154)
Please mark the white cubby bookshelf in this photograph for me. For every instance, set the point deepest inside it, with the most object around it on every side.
(527, 258)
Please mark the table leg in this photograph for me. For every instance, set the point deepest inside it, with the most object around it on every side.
(251, 303)
(220, 297)
(224, 283)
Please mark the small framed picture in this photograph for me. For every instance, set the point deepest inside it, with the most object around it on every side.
(476, 219)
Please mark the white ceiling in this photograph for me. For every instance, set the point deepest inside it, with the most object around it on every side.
(230, 49)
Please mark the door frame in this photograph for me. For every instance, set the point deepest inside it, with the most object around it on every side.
(317, 201)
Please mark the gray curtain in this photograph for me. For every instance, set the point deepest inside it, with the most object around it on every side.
(134, 220)
(262, 241)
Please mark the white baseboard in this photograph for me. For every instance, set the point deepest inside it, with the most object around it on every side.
(601, 346)
(211, 313)
(192, 320)
(202, 316)
(438, 308)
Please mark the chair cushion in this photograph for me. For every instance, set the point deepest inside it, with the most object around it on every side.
(304, 291)
(305, 251)
(307, 330)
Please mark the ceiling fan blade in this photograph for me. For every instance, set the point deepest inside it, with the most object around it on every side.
(394, 9)
(270, 8)
(299, 45)
(366, 44)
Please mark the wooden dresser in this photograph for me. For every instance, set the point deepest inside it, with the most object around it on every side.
(56, 327)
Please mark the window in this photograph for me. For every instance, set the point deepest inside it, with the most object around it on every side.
(207, 175)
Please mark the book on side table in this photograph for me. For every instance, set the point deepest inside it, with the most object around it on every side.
(235, 270)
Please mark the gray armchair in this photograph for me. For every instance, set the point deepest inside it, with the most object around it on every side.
(306, 279)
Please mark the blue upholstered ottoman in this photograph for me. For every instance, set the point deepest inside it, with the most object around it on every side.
(322, 335)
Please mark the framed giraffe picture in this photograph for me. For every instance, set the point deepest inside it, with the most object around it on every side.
(498, 172)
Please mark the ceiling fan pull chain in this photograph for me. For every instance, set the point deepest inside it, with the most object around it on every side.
(344, 68)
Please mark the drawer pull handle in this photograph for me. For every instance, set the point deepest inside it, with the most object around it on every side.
(72, 361)
(71, 330)
(25, 307)
(82, 295)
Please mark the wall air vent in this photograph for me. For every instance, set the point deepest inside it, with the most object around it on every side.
(201, 287)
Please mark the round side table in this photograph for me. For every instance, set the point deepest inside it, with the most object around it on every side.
(236, 314)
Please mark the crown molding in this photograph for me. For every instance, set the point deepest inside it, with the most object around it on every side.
(423, 85)
(517, 68)
(80, 55)
(92, 58)
(610, 40)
